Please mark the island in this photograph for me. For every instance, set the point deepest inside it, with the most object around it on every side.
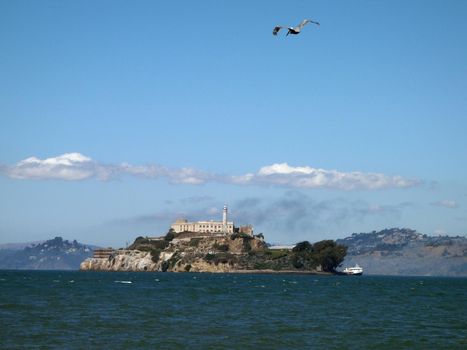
(217, 246)
(217, 252)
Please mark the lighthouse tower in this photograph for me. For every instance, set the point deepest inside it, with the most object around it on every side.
(224, 220)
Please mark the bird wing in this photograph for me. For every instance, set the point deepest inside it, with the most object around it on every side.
(276, 30)
(305, 22)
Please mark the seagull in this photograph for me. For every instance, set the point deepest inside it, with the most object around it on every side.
(294, 30)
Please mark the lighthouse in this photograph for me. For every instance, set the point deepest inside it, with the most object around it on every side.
(224, 220)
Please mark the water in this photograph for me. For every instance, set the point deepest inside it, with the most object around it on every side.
(48, 309)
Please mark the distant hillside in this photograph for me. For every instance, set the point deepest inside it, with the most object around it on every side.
(18, 246)
(54, 254)
(406, 252)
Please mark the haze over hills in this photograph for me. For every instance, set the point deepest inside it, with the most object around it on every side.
(18, 246)
(54, 254)
(406, 252)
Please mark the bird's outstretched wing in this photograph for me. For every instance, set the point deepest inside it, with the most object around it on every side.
(276, 30)
(305, 22)
(317, 23)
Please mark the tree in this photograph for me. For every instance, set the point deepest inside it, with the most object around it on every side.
(304, 246)
(302, 255)
(329, 254)
(170, 235)
(326, 253)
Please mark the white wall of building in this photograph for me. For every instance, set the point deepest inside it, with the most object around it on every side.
(202, 226)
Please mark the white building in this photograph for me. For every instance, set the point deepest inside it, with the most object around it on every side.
(224, 226)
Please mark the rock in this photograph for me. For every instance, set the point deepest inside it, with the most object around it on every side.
(207, 253)
(121, 260)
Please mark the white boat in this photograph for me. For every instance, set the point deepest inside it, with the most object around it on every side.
(356, 270)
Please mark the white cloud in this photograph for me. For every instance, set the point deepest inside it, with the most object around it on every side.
(446, 203)
(189, 176)
(75, 166)
(308, 177)
(68, 166)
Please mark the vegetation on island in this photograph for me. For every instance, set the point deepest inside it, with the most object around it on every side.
(239, 251)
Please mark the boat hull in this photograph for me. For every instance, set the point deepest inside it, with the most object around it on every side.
(353, 274)
(353, 271)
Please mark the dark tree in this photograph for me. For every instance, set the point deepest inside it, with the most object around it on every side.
(329, 254)
(170, 235)
(304, 246)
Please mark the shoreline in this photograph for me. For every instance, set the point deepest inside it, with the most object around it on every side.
(283, 272)
(253, 272)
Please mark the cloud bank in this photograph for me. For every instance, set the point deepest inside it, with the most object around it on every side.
(287, 218)
(77, 167)
(296, 211)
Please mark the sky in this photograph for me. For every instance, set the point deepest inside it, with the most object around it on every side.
(118, 117)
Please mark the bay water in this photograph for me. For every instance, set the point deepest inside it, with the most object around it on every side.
(81, 310)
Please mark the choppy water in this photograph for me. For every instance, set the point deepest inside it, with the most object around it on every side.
(230, 311)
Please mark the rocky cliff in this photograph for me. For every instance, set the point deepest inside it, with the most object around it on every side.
(210, 253)
(207, 254)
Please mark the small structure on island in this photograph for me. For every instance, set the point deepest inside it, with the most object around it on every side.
(213, 227)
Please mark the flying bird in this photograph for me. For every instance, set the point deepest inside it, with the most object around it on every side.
(293, 30)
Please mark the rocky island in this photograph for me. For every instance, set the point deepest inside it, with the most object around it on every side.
(217, 252)
(216, 246)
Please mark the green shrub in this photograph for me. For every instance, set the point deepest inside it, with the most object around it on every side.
(297, 262)
(304, 246)
(277, 254)
(240, 235)
(246, 245)
(276, 267)
(209, 257)
(143, 248)
(194, 242)
(221, 247)
(174, 259)
(223, 258)
(170, 235)
(138, 242)
(261, 266)
(160, 244)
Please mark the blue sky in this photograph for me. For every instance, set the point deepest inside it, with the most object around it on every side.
(117, 117)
